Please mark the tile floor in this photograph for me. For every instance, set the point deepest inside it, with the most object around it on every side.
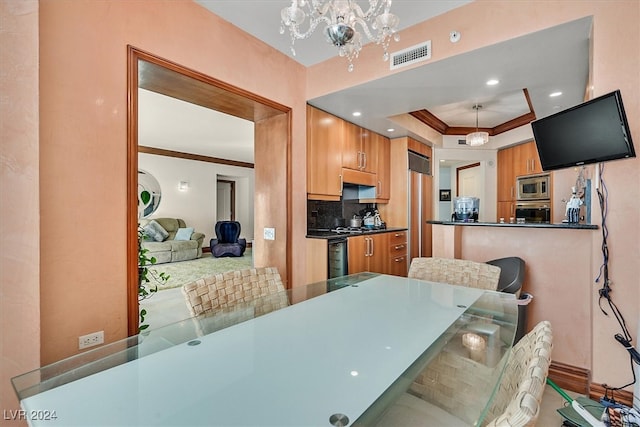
(165, 307)
(551, 401)
(168, 306)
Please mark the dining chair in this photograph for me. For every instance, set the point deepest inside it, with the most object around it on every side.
(444, 394)
(456, 272)
(233, 295)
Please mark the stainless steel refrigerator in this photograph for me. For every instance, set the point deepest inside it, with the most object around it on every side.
(420, 210)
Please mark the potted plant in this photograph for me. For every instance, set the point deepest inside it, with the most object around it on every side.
(148, 279)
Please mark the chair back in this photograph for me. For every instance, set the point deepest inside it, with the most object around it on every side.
(517, 400)
(227, 289)
(228, 231)
(456, 272)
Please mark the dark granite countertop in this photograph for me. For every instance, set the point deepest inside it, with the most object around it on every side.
(563, 225)
(328, 235)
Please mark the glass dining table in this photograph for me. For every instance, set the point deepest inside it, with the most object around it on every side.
(339, 352)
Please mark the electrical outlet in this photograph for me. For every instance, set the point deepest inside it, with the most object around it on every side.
(90, 340)
(269, 233)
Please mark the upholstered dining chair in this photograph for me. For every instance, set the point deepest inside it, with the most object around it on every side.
(443, 390)
(233, 296)
(456, 272)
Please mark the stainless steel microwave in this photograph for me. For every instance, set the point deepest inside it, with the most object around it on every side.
(534, 187)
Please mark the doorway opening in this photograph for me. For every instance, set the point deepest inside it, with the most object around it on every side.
(226, 200)
(272, 156)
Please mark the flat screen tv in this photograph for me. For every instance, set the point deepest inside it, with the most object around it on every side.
(592, 132)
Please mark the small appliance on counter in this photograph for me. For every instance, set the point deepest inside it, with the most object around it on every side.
(465, 209)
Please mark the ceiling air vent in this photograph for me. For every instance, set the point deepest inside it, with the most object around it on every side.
(410, 55)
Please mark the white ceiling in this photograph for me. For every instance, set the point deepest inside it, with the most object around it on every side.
(261, 18)
(555, 59)
(172, 124)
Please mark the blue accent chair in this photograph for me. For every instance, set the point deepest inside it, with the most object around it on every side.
(228, 242)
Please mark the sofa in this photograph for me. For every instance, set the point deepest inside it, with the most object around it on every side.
(170, 240)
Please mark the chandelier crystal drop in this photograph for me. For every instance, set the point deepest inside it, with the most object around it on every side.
(477, 138)
(344, 22)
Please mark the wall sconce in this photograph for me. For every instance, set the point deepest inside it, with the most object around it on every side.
(476, 345)
(183, 186)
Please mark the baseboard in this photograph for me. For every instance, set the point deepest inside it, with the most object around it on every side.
(622, 396)
(207, 249)
(578, 380)
(570, 378)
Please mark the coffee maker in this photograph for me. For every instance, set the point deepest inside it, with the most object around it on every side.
(465, 209)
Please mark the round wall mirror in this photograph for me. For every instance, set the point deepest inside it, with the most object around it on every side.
(148, 194)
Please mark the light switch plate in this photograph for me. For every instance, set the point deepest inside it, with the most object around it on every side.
(269, 233)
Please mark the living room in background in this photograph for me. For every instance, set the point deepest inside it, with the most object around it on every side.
(161, 76)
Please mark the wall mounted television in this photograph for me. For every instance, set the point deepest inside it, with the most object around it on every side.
(592, 132)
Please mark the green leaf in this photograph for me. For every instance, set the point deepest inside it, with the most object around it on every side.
(145, 196)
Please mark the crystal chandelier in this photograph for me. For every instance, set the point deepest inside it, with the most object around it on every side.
(343, 19)
(477, 138)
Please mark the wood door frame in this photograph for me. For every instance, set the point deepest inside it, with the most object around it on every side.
(232, 202)
(458, 169)
(231, 100)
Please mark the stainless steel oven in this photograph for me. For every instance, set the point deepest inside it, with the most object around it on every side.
(533, 187)
(537, 212)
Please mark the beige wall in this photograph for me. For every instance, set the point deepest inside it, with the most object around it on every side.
(83, 111)
(19, 243)
(83, 149)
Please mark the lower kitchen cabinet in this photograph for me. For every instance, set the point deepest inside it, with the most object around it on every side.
(398, 254)
(368, 253)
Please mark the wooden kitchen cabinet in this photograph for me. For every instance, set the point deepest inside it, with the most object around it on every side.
(351, 146)
(529, 159)
(339, 151)
(383, 170)
(506, 210)
(359, 149)
(368, 253)
(324, 155)
(369, 149)
(513, 162)
(398, 261)
(506, 176)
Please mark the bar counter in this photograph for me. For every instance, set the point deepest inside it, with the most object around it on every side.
(563, 225)
(559, 272)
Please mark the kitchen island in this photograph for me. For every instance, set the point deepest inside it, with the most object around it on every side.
(559, 262)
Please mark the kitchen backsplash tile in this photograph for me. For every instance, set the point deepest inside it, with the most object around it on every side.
(322, 214)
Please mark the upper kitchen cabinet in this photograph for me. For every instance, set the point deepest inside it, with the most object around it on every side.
(516, 161)
(359, 149)
(340, 152)
(506, 176)
(324, 155)
(351, 146)
(383, 187)
(529, 159)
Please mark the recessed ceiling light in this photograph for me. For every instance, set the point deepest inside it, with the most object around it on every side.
(357, 114)
(492, 82)
(442, 160)
(554, 94)
(390, 130)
